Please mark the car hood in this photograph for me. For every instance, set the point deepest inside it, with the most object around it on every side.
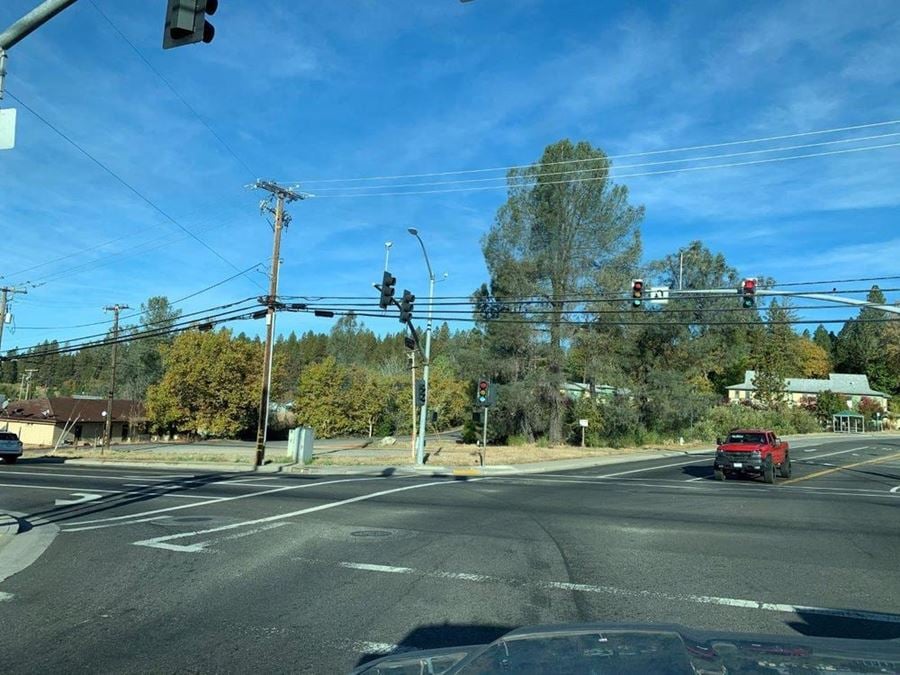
(615, 648)
(740, 447)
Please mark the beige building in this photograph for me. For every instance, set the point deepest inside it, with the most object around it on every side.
(798, 389)
(72, 420)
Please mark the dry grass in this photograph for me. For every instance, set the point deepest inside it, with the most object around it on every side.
(161, 457)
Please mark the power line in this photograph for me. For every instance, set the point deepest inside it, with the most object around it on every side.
(208, 320)
(833, 281)
(136, 314)
(544, 174)
(605, 177)
(173, 90)
(232, 306)
(127, 185)
(620, 156)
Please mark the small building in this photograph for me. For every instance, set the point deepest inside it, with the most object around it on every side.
(800, 389)
(77, 420)
(579, 390)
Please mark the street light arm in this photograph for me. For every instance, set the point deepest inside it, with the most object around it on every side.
(425, 253)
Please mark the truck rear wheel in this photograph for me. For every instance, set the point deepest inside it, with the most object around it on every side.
(718, 474)
(10, 459)
(769, 470)
(785, 469)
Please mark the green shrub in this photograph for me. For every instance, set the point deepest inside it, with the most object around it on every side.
(517, 439)
(790, 420)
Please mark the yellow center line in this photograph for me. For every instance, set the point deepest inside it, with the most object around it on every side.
(825, 472)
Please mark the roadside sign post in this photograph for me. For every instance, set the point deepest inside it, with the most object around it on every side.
(584, 425)
(484, 435)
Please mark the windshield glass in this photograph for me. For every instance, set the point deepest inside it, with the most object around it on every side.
(745, 438)
(332, 329)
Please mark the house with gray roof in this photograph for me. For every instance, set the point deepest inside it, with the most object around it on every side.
(796, 389)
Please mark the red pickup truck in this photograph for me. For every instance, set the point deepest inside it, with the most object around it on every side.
(752, 451)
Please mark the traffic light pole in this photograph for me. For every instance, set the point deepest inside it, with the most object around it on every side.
(281, 195)
(412, 368)
(484, 436)
(423, 411)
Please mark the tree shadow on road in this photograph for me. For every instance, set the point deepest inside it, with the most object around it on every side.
(138, 495)
(823, 625)
(443, 635)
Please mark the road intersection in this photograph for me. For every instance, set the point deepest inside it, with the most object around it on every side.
(183, 571)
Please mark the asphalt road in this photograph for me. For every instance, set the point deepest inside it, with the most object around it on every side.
(163, 572)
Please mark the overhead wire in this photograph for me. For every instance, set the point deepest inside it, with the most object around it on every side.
(180, 326)
(232, 306)
(137, 314)
(646, 153)
(126, 184)
(616, 177)
(543, 174)
(174, 91)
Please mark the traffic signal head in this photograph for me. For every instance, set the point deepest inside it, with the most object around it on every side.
(406, 306)
(748, 291)
(420, 393)
(186, 22)
(387, 289)
(482, 396)
(637, 292)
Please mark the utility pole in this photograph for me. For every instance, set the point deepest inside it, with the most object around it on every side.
(4, 292)
(25, 388)
(280, 195)
(107, 433)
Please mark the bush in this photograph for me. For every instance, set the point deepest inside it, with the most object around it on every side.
(790, 420)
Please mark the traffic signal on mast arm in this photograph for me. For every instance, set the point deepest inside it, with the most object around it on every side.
(748, 291)
(406, 306)
(637, 292)
(387, 289)
(186, 22)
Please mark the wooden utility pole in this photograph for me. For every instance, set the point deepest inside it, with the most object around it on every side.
(280, 195)
(3, 303)
(107, 433)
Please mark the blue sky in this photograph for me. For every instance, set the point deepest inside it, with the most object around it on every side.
(304, 91)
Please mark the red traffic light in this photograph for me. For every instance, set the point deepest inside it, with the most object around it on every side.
(749, 285)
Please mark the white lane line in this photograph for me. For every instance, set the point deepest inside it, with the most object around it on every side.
(691, 480)
(70, 490)
(100, 527)
(219, 500)
(623, 473)
(895, 490)
(56, 474)
(832, 454)
(5, 596)
(809, 449)
(135, 485)
(84, 497)
(675, 485)
(162, 542)
(622, 592)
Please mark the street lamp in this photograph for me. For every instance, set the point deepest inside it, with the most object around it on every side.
(423, 410)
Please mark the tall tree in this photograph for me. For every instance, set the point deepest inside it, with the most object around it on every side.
(210, 386)
(553, 238)
(859, 345)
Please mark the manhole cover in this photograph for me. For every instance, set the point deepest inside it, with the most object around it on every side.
(370, 533)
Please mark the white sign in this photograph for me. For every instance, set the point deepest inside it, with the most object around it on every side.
(659, 295)
(583, 423)
(7, 128)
